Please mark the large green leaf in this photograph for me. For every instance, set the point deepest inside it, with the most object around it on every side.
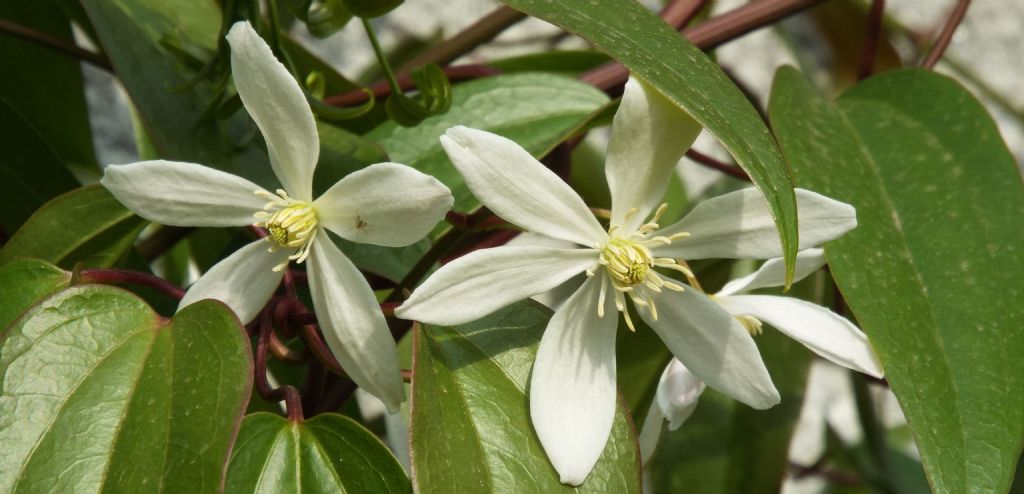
(31, 173)
(86, 225)
(99, 393)
(45, 87)
(656, 53)
(328, 453)
(25, 281)
(536, 110)
(933, 272)
(471, 430)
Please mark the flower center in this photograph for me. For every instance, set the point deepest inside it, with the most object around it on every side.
(290, 223)
(629, 263)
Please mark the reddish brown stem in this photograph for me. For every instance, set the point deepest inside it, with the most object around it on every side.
(946, 35)
(710, 34)
(290, 395)
(127, 277)
(708, 161)
(57, 44)
(480, 32)
(871, 38)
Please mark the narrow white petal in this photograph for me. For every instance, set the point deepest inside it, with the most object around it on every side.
(650, 432)
(244, 281)
(572, 388)
(530, 239)
(276, 103)
(352, 324)
(555, 297)
(826, 333)
(773, 272)
(484, 281)
(677, 394)
(384, 204)
(713, 345)
(183, 194)
(649, 136)
(738, 225)
(519, 188)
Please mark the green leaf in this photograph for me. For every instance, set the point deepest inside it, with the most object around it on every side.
(131, 32)
(536, 110)
(31, 174)
(471, 430)
(86, 225)
(45, 87)
(25, 281)
(656, 53)
(570, 63)
(933, 270)
(328, 453)
(99, 393)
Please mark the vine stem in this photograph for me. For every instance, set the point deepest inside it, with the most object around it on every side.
(383, 89)
(714, 164)
(128, 277)
(483, 30)
(946, 35)
(57, 44)
(871, 38)
(710, 34)
(290, 395)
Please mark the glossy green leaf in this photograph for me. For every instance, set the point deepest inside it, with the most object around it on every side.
(31, 173)
(471, 430)
(328, 453)
(656, 53)
(537, 111)
(86, 225)
(99, 393)
(25, 281)
(44, 86)
(933, 271)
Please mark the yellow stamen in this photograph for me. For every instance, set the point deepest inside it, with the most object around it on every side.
(751, 324)
(290, 223)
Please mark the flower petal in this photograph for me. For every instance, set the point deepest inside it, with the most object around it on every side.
(279, 108)
(773, 272)
(650, 432)
(352, 324)
(518, 188)
(823, 331)
(183, 194)
(555, 297)
(384, 204)
(572, 388)
(484, 281)
(244, 281)
(649, 136)
(678, 391)
(713, 345)
(738, 225)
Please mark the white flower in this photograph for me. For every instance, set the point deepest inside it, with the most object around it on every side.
(573, 388)
(822, 331)
(383, 204)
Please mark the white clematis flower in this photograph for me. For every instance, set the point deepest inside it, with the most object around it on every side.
(384, 204)
(822, 331)
(573, 387)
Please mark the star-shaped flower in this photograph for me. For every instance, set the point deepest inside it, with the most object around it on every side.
(383, 204)
(573, 387)
(822, 331)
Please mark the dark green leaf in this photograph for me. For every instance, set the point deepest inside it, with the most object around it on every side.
(656, 53)
(101, 394)
(86, 225)
(328, 453)
(537, 111)
(44, 86)
(933, 270)
(571, 63)
(31, 173)
(25, 281)
(471, 430)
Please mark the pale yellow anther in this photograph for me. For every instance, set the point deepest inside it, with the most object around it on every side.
(751, 324)
(289, 223)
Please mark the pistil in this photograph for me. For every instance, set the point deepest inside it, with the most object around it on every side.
(290, 223)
